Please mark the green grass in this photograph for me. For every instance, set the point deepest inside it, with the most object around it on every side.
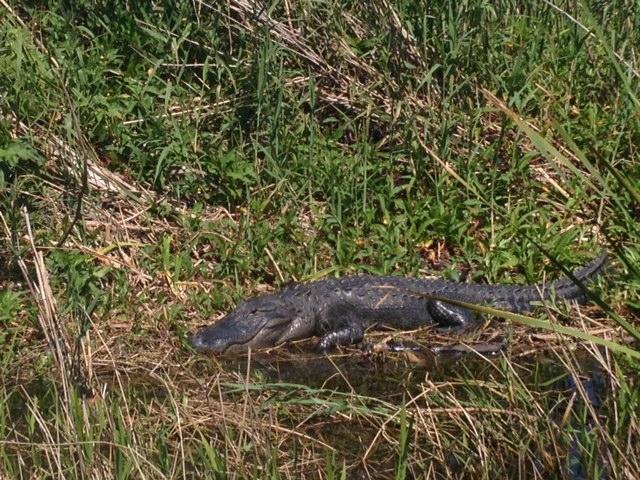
(169, 160)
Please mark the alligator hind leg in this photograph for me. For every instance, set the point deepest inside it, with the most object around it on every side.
(448, 315)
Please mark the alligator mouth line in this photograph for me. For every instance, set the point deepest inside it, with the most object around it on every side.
(247, 341)
(262, 327)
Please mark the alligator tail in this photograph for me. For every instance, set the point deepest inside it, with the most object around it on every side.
(571, 288)
(521, 299)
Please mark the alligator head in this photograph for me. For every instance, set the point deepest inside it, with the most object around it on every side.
(259, 322)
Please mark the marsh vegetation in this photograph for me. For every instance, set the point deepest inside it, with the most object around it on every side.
(161, 161)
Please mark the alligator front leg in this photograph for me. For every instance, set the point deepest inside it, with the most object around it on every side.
(343, 336)
(448, 315)
(339, 325)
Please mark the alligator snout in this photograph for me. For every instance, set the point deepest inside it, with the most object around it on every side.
(200, 342)
(221, 337)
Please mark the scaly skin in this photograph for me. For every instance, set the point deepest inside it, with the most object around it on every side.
(339, 310)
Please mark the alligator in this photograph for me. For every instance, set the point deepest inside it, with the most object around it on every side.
(339, 310)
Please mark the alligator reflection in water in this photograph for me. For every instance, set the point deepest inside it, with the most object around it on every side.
(591, 390)
(371, 374)
(404, 376)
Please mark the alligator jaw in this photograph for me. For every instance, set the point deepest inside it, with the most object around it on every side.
(218, 339)
(260, 322)
(226, 337)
